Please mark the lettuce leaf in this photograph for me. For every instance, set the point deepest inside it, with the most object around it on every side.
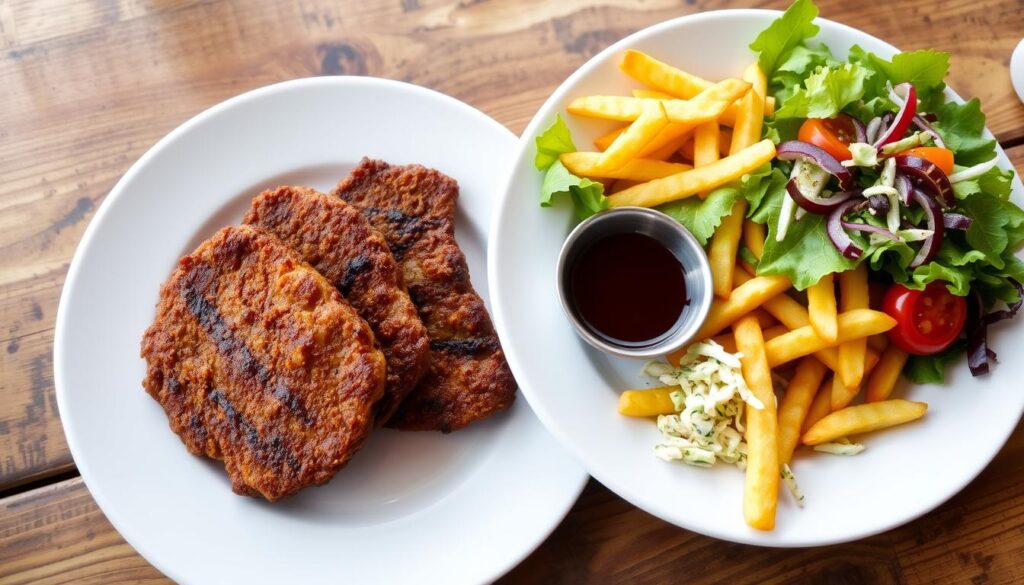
(961, 127)
(826, 92)
(805, 255)
(931, 369)
(554, 141)
(587, 196)
(997, 225)
(703, 216)
(775, 43)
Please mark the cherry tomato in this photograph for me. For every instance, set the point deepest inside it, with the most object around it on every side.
(938, 156)
(927, 321)
(833, 135)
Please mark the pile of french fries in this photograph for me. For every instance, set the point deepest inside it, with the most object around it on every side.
(686, 136)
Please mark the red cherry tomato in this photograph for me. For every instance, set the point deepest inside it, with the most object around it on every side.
(833, 135)
(927, 321)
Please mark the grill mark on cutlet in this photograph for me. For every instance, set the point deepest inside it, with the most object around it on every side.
(355, 267)
(464, 346)
(271, 451)
(405, 230)
(230, 346)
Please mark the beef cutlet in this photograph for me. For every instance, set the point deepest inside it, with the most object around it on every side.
(259, 362)
(337, 240)
(414, 208)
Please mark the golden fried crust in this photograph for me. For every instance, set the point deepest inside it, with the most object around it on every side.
(261, 363)
(414, 208)
(337, 240)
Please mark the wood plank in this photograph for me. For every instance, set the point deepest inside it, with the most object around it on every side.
(57, 534)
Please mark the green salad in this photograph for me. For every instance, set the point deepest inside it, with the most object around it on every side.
(874, 166)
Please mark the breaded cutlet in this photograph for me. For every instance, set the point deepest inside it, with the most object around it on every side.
(337, 240)
(259, 362)
(414, 208)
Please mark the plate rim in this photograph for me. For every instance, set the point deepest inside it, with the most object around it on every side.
(117, 192)
(497, 293)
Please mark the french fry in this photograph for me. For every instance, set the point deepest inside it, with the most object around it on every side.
(661, 76)
(585, 164)
(725, 139)
(761, 489)
(689, 183)
(705, 145)
(883, 379)
(853, 294)
(796, 402)
(750, 116)
(804, 341)
(821, 406)
(628, 109)
(639, 134)
(677, 132)
(647, 402)
(878, 342)
(665, 150)
(728, 341)
(753, 237)
(863, 418)
(764, 318)
(769, 105)
(793, 315)
(602, 142)
(821, 308)
(843, 395)
(742, 301)
(725, 244)
(667, 79)
(653, 94)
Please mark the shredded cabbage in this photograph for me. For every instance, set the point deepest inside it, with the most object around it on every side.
(712, 395)
(794, 488)
(841, 446)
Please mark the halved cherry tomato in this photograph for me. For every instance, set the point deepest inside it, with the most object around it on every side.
(927, 321)
(833, 135)
(938, 156)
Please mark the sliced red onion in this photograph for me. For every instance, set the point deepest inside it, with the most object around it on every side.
(871, 133)
(908, 109)
(978, 352)
(859, 130)
(956, 221)
(814, 203)
(974, 172)
(925, 127)
(903, 186)
(927, 175)
(871, 229)
(840, 239)
(933, 216)
(796, 149)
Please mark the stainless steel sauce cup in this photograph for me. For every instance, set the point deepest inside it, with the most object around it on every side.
(678, 240)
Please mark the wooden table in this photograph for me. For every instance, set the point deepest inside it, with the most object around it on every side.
(86, 87)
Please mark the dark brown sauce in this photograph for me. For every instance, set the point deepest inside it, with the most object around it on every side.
(628, 288)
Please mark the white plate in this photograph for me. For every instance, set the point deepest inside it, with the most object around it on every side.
(574, 389)
(411, 507)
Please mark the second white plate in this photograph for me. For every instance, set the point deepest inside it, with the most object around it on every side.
(411, 507)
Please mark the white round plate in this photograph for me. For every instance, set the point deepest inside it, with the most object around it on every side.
(574, 389)
(411, 507)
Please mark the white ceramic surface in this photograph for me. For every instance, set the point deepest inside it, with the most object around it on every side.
(1017, 70)
(411, 507)
(574, 389)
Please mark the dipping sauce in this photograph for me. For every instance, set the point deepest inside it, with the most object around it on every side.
(628, 288)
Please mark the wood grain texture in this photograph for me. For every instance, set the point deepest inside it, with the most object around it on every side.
(88, 86)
